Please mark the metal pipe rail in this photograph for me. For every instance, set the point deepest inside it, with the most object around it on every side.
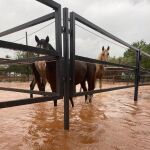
(25, 48)
(146, 75)
(27, 60)
(106, 90)
(116, 76)
(27, 101)
(144, 53)
(104, 32)
(50, 3)
(144, 84)
(26, 91)
(102, 90)
(90, 60)
(145, 69)
(28, 24)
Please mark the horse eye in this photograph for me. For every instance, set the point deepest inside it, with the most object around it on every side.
(108, 54)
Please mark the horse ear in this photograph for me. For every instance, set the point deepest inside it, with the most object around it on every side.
(108, 48)
(37, 39)
(103, 48)
(47, 39)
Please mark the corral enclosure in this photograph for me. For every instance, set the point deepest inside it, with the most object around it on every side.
(112, 120)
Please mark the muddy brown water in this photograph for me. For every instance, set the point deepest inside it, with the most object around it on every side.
(111, 122)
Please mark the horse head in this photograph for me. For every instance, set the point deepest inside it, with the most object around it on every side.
(104, 54)
(43, 43)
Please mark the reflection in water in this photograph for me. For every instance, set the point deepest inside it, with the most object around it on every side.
(45, 126)
(111, 122)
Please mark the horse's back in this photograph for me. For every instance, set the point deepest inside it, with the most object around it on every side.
(83, 72)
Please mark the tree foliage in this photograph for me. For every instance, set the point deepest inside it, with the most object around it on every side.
(129, 56)
(20, 69)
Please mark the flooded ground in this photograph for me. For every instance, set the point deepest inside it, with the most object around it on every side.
(111, 122)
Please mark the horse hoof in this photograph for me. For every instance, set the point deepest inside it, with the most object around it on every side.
(90, 100)
(31, 96)
(55, 105)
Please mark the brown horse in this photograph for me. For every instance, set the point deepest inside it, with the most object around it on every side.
(38, 67)
(103, 56)
(83, 72)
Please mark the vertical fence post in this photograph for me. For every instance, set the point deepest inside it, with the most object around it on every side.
(72, 53)
(28, 69)
(66, 68)
(58, 49)
(137, 75)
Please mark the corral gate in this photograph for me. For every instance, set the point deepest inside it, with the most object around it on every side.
(64, 77)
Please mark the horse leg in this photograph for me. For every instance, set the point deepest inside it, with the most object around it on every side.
(32, 85)
(55, 103)
(37, 77)
(80, 89)
(91, 78)
(53, 87)
(100, 83)
(91, 84)
(83, 85)
(43, 85)
(71, 101)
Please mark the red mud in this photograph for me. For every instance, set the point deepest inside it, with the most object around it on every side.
(111, 122)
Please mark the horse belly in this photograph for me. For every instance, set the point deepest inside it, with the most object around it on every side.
(51, 74)
(80, 72)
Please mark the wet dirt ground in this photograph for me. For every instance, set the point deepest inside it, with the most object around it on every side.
(111, 122)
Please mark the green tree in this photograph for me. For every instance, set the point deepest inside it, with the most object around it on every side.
(129, 56)
(20, 68)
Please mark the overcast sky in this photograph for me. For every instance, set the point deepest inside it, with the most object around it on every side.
(126, 19)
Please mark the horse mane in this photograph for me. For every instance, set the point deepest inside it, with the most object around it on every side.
(50, 47)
